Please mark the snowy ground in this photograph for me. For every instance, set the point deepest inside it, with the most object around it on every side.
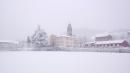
(63, 62)
(92, 49)
(115, 50)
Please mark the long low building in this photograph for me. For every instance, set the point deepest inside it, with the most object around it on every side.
(105, 44)
(8, 45)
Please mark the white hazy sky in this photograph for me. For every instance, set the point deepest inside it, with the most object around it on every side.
(19, 18)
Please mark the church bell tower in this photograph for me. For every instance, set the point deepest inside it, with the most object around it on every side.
(69, 30)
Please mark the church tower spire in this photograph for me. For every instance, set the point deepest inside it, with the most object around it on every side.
(39, 27)
(69, 30)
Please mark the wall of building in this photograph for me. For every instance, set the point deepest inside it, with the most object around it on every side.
(64, 41)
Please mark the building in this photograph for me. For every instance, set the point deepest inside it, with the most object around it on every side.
(107, 44)
(105, 41)
(67, 40)
(64, 41)
(8, 45)
(103, 37)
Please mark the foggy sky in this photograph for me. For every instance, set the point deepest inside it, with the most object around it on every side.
(19, 18)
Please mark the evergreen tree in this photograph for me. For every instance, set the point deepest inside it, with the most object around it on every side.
(39, 39)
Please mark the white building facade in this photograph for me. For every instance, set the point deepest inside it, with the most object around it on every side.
(67, 40)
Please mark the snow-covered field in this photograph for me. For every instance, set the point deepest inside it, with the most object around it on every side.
(63, 62)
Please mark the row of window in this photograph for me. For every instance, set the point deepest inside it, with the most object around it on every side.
(102, 45)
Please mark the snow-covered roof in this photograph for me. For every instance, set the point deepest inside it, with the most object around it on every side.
(89, 42)
(102, 35)
(109, 42)
(62, 36)
(8, 41)
(106, 42)
(65, 36)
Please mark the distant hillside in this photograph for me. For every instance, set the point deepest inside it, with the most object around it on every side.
(89, 33)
